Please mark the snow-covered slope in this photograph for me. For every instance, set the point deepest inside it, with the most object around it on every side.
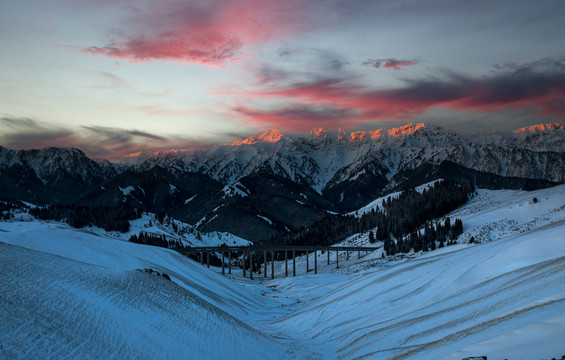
(104, 250)
(54, 307)
(77, 294)
(495, 214)
(504, 299)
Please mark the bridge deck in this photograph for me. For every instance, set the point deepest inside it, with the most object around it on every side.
(261, 254)
(277, 248)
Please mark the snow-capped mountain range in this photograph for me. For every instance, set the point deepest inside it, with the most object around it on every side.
(322, 159)
(232, 186)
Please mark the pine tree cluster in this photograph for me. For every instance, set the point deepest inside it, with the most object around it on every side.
(397, 217)
(109, 218)
(155, 240)
(431, 237)
(7, 210)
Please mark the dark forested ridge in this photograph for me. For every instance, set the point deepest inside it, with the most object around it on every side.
(397, 218)
(109, 218)
(403, 223)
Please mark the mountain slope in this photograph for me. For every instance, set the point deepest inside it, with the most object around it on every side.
(48, 175)
(236, 186)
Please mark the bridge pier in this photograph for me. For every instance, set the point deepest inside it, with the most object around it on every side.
(315, 262)
(266, 249)
(285, 263)
(293, 263)
(272, 264)
(223, 264)
(264, 263)
(251, 265)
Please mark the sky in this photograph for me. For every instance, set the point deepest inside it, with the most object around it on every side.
(115, 77)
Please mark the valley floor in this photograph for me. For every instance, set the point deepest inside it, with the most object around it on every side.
(71, 294)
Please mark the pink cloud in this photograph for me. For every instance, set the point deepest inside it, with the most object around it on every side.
(211, 33)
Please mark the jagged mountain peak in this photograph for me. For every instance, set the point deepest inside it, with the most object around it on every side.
(325, 132)
(361, 135)
(354, 136)
(268, 136)
(540, 128)
(406, 129)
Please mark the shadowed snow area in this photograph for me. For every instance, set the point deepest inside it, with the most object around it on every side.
(72, 294)
(52, 307)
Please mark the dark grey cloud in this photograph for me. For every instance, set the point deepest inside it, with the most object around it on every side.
(395, 64)
(21, 132)
(116, 134)
(95, 141)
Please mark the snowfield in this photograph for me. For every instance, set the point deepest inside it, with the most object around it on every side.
(53, 307)
(440, 304)
(68, 293)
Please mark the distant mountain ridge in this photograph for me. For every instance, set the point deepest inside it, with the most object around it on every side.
(274, 182)
(322, 159)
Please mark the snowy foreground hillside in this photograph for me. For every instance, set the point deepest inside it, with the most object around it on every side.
(74, 294)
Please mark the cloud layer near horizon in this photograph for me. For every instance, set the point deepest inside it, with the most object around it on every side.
(95, 141)
(539, 86)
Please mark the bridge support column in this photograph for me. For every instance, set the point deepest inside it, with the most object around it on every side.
(229, 262)
(307, 266)
(328, 257)
(265, 263)
(243, 262)
(251, 265)
(223, 264)
(286, 263)
(358, 254)
(347, 255)
(315, 262)
(293, 263)
(272, 264)
(201, 258)
(337, 259)
(208, 259)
